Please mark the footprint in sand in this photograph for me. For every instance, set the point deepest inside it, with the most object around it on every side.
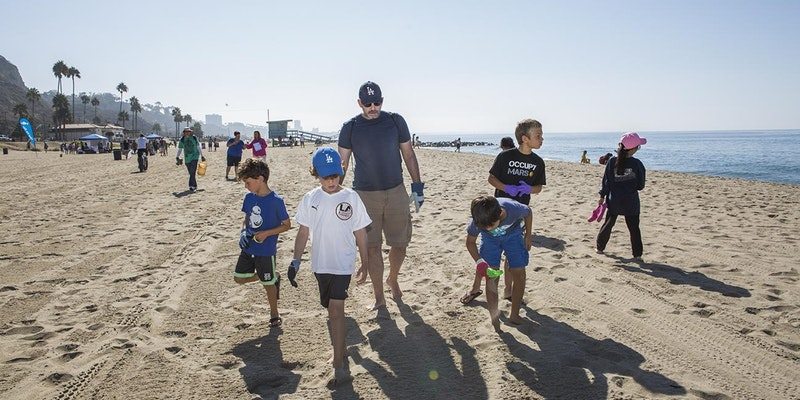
(174, 334)
(57, 378)
(23, 330)
(640, 312)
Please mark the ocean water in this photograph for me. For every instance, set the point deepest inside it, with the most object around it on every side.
(772, 156)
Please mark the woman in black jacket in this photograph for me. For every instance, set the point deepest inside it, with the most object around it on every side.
(623, 179)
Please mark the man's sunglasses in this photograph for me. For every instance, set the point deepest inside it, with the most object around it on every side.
(368, 105)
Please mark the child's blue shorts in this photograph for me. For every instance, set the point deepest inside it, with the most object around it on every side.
(492, 247)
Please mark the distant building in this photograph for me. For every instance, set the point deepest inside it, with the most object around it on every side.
(315, 130)
(214, 119)
(75, 131)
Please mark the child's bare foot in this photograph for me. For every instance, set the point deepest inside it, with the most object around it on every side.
(340, 377)
(397, 294)
(496, 325)
(377, 306)
(515, 320)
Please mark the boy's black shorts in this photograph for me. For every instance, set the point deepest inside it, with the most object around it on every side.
(263, 266)
(332, 287)
(234, 161)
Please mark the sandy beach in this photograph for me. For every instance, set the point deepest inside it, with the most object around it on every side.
(113, 287)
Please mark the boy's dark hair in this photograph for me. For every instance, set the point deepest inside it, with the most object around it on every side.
(506, 143)
(314, 173)
(485, 211)
(253, 168)
(524, 126)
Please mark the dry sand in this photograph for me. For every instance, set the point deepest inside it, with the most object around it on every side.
(111, 287)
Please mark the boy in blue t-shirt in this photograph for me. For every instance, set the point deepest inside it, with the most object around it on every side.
(265, 217)
(497, 220)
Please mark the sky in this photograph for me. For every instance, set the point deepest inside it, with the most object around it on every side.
(446, 66)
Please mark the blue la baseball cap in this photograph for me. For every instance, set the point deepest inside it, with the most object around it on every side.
(327, 162)
(369, 93)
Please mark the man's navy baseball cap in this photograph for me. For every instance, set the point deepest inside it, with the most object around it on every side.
(369, 93)
(327, 162)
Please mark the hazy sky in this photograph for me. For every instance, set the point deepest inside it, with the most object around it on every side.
(447, 66)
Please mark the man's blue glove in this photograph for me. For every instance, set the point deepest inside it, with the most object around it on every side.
(417, 197)
(294, 266)
(244, 238)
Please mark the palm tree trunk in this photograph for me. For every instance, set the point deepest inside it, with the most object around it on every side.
(73, 99)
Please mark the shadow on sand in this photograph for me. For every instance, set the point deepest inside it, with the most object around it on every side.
(187, 192)
(548, 243)
(265, 373)
(571, 365)
(419, 361)
(677, 276)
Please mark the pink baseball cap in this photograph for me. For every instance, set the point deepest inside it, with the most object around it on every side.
(631, 140)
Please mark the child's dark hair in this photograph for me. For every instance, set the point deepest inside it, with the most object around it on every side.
(314, 173)
(507, 143)
(622, 154)
(253, 168)
(485, 211)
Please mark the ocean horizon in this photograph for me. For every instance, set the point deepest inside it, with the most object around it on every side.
(762, 155)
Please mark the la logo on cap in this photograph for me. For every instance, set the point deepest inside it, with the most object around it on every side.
(328, 159)
(370, 92)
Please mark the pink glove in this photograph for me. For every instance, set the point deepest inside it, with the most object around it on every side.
(481, 267)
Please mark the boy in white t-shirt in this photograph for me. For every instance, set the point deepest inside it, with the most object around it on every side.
(337, 219)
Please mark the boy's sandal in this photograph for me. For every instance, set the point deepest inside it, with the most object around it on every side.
(467, 298)
(275, 322)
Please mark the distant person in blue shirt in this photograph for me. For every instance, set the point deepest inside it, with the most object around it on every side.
(379, 142)
(497, 221)
(235, 149)
(624, 177)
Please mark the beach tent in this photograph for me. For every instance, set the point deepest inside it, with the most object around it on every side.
(152, 136)
(95, 141)
(93, 136)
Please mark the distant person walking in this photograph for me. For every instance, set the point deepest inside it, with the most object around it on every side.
(458, 145)
(624, 177)
(259, 146)
(235, 149)
(190, 146)
(379, 142)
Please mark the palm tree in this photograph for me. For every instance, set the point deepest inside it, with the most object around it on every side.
(73, 73)
(136, 108)
(33, 96)
(121, 88)
(20, 109)
(60, 111)
(85, 99)
(95, 103)
(123, 116)
(188, 119)
(60, 69)
(156, 128)
(177, 117)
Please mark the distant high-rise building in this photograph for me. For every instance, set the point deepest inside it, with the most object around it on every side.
(315, 130)
(297, 125)
(214, 119)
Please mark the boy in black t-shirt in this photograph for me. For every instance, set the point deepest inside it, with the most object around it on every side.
(518, 173)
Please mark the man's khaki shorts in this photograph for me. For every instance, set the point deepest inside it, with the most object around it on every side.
(390, 215)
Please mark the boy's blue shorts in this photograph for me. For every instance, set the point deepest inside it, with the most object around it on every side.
(513, 245)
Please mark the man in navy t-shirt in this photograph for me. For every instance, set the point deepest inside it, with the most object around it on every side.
(378, 141)
(235, 148)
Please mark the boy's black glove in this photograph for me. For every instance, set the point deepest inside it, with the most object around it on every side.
(178, 161)
(294, 266)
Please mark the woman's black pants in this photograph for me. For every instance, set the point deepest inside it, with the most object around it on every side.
(633, 227)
